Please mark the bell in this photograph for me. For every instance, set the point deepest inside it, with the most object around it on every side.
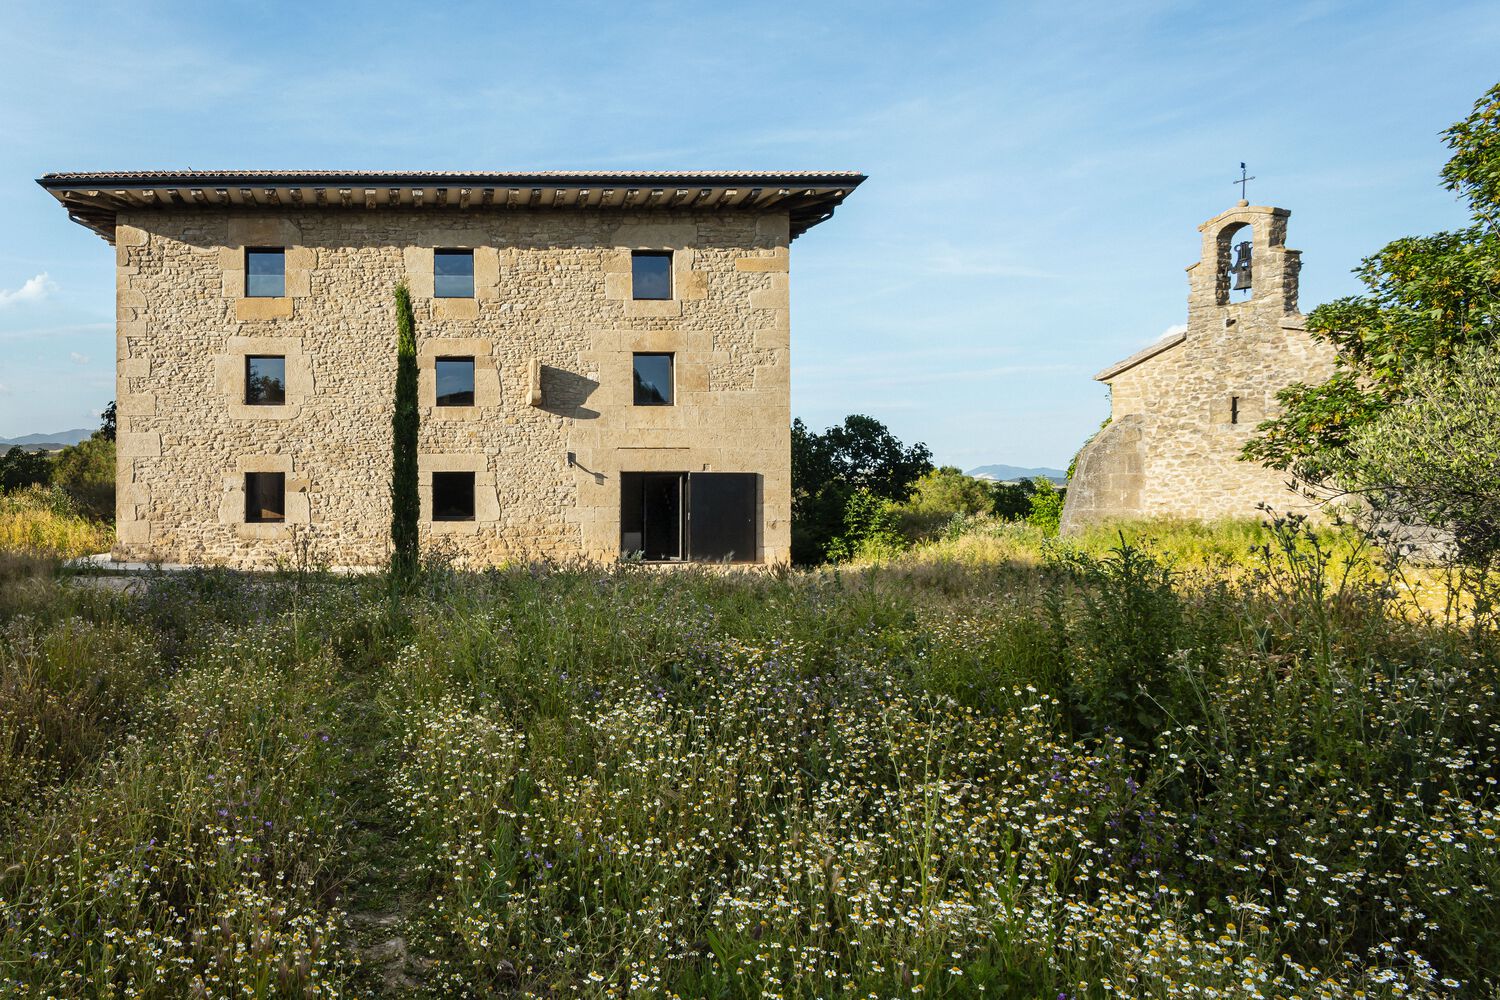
(1241, 268)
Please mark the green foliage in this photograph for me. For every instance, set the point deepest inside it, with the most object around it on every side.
(46, 520)
(86, 472)
(1046, 503)
(107, 422)
(872, 529)
(1432, 460)
(939, 496)
(828, 468)
(1426, 298)
(20, 468)
(405, 500)
(1037, 778)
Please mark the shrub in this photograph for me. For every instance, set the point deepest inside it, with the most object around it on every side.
(86, 472)
(405, 505)
(1046, 506)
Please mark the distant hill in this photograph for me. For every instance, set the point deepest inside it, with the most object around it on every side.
(1010, 473)
(47, 442)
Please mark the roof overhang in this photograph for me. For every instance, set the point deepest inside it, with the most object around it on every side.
(1150, 352)
(95, 199)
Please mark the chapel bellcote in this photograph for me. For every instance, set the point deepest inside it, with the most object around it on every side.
(1245, 266)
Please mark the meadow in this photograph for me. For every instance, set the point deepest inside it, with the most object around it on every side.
(1236, 762)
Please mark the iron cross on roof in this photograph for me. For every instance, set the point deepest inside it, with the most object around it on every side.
(1243, 181)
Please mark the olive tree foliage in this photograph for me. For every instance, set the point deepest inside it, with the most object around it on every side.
(1426, 298)
(1434, 457)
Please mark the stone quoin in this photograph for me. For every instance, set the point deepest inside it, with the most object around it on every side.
(256, 360)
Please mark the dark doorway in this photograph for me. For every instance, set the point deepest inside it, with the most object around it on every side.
(651, 515)
(700, 516)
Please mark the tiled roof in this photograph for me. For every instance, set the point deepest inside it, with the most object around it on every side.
(94, 199)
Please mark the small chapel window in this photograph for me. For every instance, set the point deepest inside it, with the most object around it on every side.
(1234, 409)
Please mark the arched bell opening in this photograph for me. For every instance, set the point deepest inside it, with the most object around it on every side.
(1236, 263)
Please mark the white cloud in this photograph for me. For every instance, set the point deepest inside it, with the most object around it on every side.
(33, 290)
(78, 359)
(1172, 331)
(4, 388)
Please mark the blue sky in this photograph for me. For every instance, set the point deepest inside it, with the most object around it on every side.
(1037, 170)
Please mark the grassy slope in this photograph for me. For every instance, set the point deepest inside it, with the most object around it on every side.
(971, 771)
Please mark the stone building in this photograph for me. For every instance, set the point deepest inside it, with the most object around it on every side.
(603, 360)
(1183, 408)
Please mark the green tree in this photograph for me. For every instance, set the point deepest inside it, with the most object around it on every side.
(20, 468)
(86, 472)
(1426, 298)
(107, 423)
(405, 502)
(1046, 506)
(1012, 501)
(937, 497)
(828, 468)
(1435, 459)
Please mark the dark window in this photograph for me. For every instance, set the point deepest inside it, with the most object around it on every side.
(265, 273)
(265, 380)
(702, 516)
(1234, 409)
(653, 379)
(265, 497)
(453, 274)
(651, 274)
(453, 496)
(455, 381)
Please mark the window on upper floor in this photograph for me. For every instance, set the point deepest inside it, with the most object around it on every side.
(265, 497)
(651, 274)
(455, 381)
(653, 379)
(453, 496)
(265, 380)
(265, 272)
(453, 274)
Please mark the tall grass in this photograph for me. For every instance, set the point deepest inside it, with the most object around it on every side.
(44, 520)
(1082, 771)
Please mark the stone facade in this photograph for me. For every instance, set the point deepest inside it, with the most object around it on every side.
(1182, 410)
(552, 326)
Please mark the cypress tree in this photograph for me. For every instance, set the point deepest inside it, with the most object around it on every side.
(405, 505)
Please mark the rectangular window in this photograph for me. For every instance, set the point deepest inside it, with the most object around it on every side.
(453, 496)
(265, 380)
(653, 379)
(265, 272)
(699, 516)
(1234, 409)
(651, 274)
(453, 274)
(455, 381)
(265, 497)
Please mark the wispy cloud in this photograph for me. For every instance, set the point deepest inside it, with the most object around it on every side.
(33, 290)
(78, 359)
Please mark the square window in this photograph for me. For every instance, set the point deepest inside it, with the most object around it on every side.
(265, 273)
(653, 379)
(455, 381)
(453, 274)
(651, 274)
(265, 497)
(265, 380)
(453, 496)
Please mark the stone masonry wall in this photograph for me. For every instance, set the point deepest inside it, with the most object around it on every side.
(1172, 446)
(552, 310)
